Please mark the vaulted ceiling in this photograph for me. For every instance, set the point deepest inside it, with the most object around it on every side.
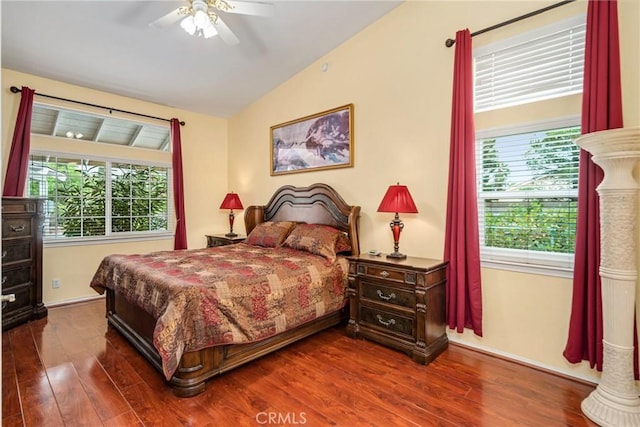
(110, 46)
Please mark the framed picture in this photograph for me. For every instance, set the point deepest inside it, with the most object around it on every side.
(316, 142)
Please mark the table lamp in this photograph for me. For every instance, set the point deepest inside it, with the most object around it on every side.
(231, 201)
(397, 200)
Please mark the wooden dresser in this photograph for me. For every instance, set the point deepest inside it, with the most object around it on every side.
(22, 220)
(399, 303)
(214, 240)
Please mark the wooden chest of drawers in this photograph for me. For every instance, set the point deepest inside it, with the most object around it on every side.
(214, 240)
(22, 260)
(399, 303)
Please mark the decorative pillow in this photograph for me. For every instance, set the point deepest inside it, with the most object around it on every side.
(316, 239)
(343, 244)
(270, 234)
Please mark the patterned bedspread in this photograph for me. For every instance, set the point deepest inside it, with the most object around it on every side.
(229, 294)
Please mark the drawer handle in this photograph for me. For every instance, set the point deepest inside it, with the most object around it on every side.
(384, 273)
(386, 297)
(17, 229)
(4, 279)
(4, 254)
(384, 322)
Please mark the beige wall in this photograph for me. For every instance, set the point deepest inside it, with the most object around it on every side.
(204, 151)
(398, 74)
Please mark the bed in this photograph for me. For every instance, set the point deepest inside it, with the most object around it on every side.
(165, 303)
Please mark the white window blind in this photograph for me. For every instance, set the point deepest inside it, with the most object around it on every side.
(538, 65)
(527, 194)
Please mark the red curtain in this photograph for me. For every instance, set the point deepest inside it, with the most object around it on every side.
(461, 247)
(18, 165)
(180, 241)
(601, 109)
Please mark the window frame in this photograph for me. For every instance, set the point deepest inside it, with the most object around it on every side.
(111, 237)
(519, 260)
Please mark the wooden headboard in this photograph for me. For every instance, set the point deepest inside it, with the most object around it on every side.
(315, 204)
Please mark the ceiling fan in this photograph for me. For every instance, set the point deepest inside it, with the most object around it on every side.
(202, 17)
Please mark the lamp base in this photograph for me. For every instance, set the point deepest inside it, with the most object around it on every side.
(231, 235)
(396, 255)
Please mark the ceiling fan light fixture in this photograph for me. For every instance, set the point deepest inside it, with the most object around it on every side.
(209, 31)
(188, 25)
(201, 19)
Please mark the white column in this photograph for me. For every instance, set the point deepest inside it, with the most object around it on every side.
(615, 401)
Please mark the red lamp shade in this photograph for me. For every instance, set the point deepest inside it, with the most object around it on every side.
(397, 199)
(231, 201)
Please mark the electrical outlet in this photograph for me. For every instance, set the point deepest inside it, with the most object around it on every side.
(55, 283)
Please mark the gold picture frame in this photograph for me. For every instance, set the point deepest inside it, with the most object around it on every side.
(316, 142)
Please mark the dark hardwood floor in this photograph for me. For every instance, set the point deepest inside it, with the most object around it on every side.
(71, 369)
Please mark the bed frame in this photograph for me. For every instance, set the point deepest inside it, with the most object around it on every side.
(317, 204)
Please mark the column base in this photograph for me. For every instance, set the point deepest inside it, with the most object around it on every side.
(607, 409)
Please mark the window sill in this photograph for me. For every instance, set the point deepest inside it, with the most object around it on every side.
(86, 241)
(532, 262)
(543, 270)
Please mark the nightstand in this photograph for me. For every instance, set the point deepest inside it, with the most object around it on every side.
(214, 240)
(399, 303)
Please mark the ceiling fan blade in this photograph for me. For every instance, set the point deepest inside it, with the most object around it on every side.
(225, 33)
(167, 20)
(251, 8)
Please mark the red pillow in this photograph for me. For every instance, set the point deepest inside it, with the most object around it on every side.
(343, 244)
(270, 234)
(316, 239)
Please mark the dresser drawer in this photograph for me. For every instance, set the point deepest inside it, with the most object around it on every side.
(24, 299)
(212, 243)
(388, 321)
(16, 251)
(215, 240)
(388, 294)
(381, 272)
(16, 276)
(20, 205)
(386, 273)
(13, 227)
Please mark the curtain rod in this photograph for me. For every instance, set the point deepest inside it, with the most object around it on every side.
(15, 89)
(451, 42)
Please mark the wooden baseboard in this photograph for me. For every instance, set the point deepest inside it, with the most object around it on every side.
(74, 301)
(521, 362)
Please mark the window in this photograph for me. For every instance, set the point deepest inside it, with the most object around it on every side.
(90, 198)
(527, 175)
(527, 195)
(542, 64)
(60, 122)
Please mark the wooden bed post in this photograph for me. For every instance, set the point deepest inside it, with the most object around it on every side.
(253, 216)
